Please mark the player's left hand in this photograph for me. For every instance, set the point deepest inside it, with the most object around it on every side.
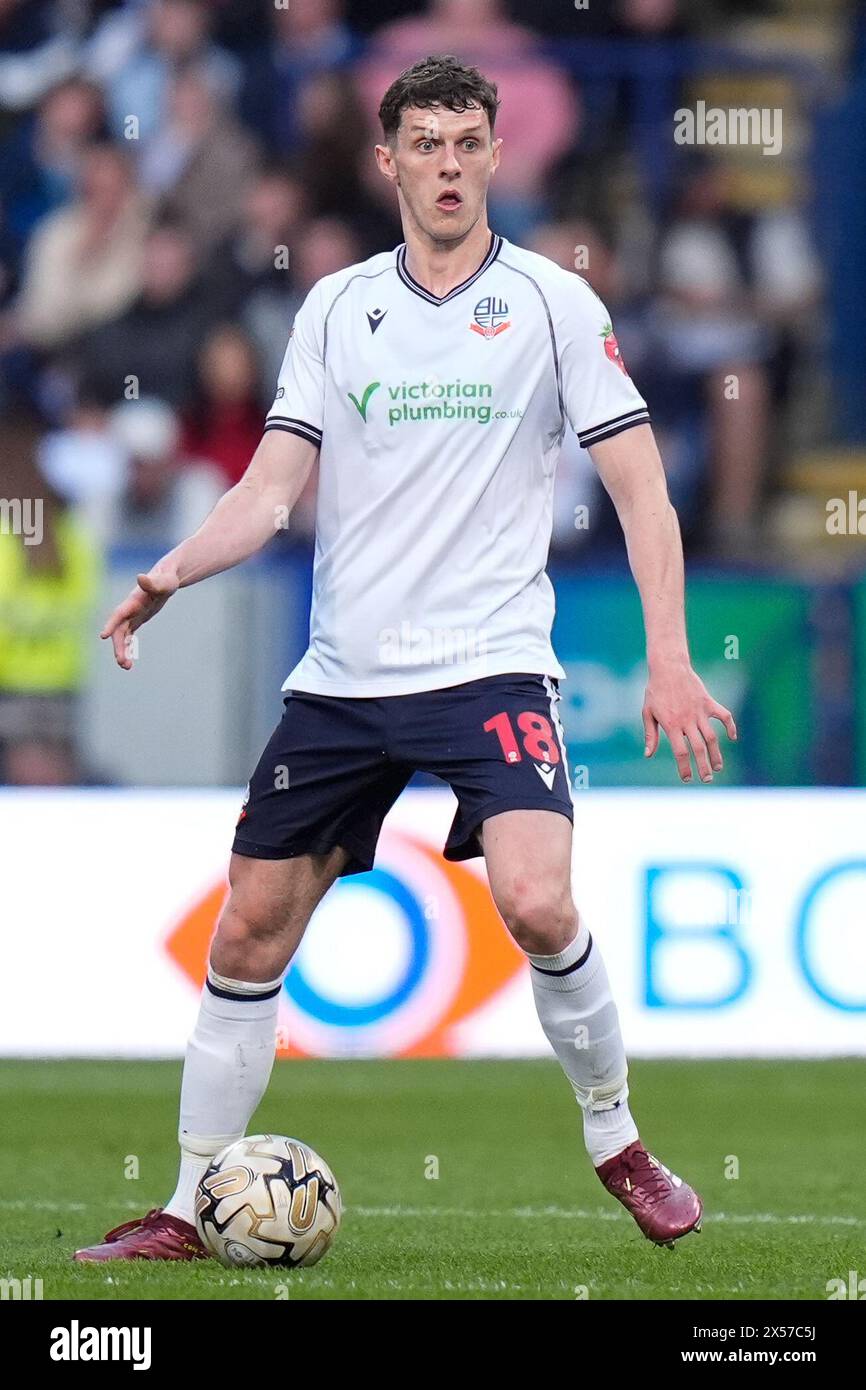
(677, 700)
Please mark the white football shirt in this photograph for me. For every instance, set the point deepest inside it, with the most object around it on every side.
(439, 423)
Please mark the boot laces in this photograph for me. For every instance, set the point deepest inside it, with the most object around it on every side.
(647, 1174)
(140, 1223)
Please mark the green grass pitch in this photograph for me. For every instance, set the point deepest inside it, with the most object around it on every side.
(516, 1211)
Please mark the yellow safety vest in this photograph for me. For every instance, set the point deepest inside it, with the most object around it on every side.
(45, 617)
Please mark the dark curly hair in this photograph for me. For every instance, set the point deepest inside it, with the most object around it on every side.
(438, 80)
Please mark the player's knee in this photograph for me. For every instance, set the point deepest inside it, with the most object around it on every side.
(244, 937)
(541, 917)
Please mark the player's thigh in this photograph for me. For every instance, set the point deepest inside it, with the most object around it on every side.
(274, 899)
(528, 859)
(323, 780)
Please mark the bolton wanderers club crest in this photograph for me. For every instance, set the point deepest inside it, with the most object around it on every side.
(491, 317)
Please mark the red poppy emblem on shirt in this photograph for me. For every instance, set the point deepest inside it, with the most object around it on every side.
(611, 347)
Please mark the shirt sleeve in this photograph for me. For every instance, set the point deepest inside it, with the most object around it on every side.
(598, 395)
(299, 403)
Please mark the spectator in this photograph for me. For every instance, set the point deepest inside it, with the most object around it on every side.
(257, 254)
(676, 409)
(200, 162)
(8, 266)
(733, 286)
(137, 52)
(275, 205)
(552, 17)
(224, 426)
(339, 162)
(166, 496)
(308, 37)
(84, 463)
(151, 349)
(84, 262)
(48, 580)
(648, 96)
(320, 246)
(37, 50)
(42, 762)
(326, 244)
(40, 163)
(250, 276)
(651, 19)
(540, 116)
(335, 132)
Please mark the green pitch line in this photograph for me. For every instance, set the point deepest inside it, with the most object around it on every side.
(516, 1211)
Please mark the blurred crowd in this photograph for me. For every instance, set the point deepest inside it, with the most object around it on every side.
(176, 174)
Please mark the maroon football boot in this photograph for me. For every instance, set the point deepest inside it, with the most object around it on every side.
(152, 1237)
(662, 1204)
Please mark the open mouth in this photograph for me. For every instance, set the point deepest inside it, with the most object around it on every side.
(450, 201)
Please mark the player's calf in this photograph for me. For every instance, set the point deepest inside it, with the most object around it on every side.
(231, 1052)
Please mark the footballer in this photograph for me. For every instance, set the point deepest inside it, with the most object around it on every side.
(434, 384)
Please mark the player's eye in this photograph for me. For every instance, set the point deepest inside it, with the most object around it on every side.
(471, 145)
(425, 145)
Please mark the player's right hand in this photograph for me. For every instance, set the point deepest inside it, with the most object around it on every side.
(151, 593)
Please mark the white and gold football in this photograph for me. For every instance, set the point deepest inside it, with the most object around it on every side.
(268, 1200)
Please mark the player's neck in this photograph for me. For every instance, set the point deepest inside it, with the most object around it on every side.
(440, 267)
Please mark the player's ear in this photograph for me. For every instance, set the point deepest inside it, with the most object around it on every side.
(494, 162)
(385, 161)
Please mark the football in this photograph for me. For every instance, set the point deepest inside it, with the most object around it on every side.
(268, 1200)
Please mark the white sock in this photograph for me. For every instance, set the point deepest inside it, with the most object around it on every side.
(193, 1167)
(228, 1064)
(577, 1012)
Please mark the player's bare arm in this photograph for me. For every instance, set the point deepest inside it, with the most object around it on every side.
(676, 698)
(241, 523)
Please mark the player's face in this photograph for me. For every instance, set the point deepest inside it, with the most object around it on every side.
(442, 162)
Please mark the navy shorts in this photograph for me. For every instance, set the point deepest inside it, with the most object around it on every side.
(335, 765)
